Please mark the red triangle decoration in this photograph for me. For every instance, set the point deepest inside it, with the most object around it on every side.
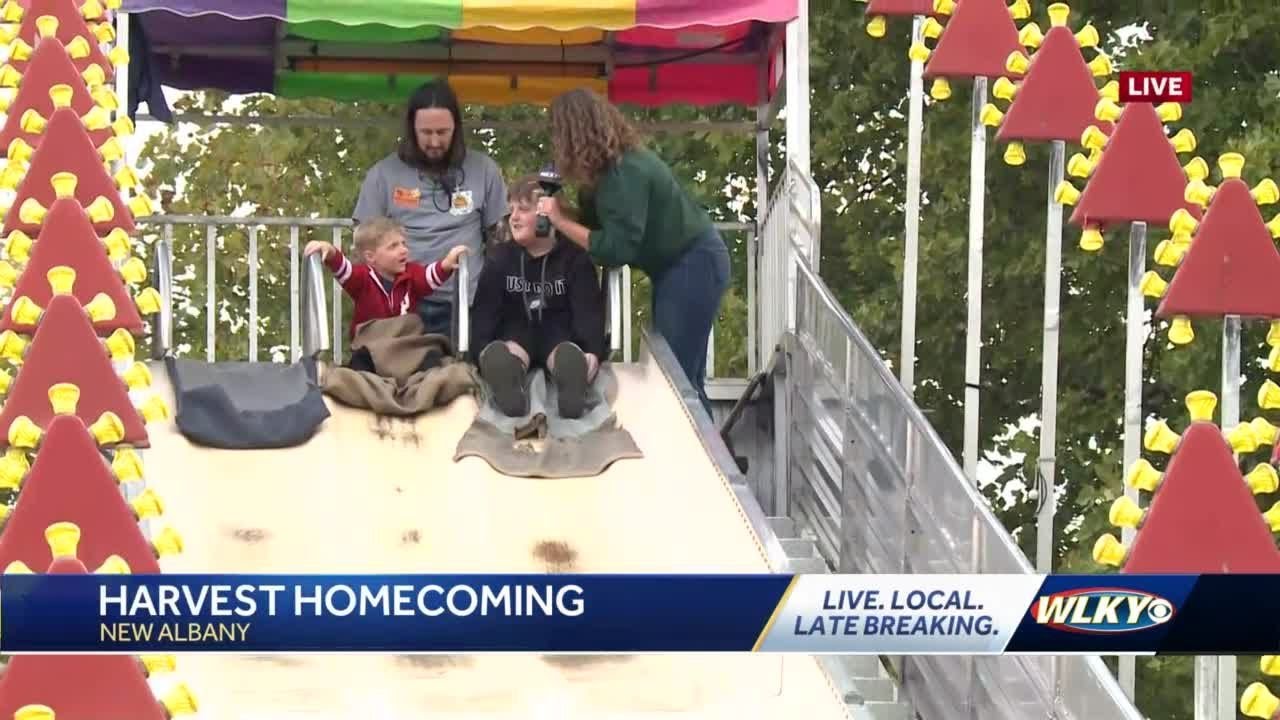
(71, 24)
(71, 482)
(68, 149)
(80, 687)
(1232, 264)
(1056, 99)
(1203, 518)
(975, 42)
(69, 240)
(1138, 177)
(899, 8)
(49, 66)
(65, 349)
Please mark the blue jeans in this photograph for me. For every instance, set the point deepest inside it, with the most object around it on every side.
(437, 317)
(686, 301)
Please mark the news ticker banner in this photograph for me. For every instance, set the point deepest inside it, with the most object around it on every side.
(810, 614)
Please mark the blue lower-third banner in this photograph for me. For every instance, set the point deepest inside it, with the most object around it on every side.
(810, 614)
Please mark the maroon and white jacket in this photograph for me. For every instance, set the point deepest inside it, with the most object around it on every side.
(373, 299)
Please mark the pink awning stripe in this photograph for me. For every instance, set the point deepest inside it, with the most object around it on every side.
(683, 13)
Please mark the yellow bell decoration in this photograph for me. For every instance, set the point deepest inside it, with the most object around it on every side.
(1059, 14)
(1262, 479)
(877, 26)
(148, 301)
(1265, 431)
(105, 96)
(1143, 476)
(32, 212)
(1184, 141)
(141, 206)
(120, 345)
(12, 175)
(118, 56)
(1100, 65)
(1111, 91)
(105, 32)
(1269, 396)
(1160, 438)
(19, 50)
(114, 565)
(18, 246)
(1125, 513)
(19, 151)
(1180, 331)
(92, 10)
(918, 52)
(64, 397)
(1152, 285)
(13, 469)
(5, 381)
(1020, 9)
(1004, 89)
(1258, 702)
(126, 178)
(167, 543)
(101, 308)
(1080, 166)
(114, 4)
(110, 150)
(137, 377)
(156, 664)
(1272, 516)
(1169, 253)
(940, 89)
(1273, 334)
(123, 126)
(1017, 63)
(62, 279)
(1197, 169)
(94, 76)
(9, 32)
(47, 26)
(117, 244)
(147, 505)
(1270, 665)
(944, 7)
(9, 77)
(108, 429)
(1030, 36)
(1088, 36)
(1266, 192)
(1015, 154)
(1231, 164)
(1066, 193)
(1242, 439)
(32, 122)
(1093, 138)
(17, 567)
(179, 701)
(25, 311)
(34, 712)
(12, 345)
(1107, 110)
(1109, 551)
(127, 465)
(8, 275)
(64, 184)
(79, 49)
(7, 96)
(63, 539)
(932, 28)
(1091, 240)
(154, 409)
(1200, 405)
(1274, 227)
(96, 119)
(1182, 222)
(134, 271)
(101, 210)
(1169, 112)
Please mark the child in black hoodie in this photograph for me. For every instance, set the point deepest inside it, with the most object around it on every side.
(538, 304)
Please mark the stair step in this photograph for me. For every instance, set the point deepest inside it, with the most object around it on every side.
(872, 690)
(798, 548)
(861, 666)
(783, 527)
(808, 566)
(885, 711)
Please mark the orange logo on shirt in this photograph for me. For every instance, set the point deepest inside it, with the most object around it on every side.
(406, 197)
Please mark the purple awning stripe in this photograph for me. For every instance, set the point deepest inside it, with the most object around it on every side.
(240, 9)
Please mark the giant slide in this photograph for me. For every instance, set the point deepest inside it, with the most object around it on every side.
(376, 495)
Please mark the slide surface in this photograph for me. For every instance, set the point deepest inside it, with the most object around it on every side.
(370, 495)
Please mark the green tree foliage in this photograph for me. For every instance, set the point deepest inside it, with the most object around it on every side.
(858, 136)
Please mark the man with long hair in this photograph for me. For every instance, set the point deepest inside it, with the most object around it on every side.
(636, 213)
(440, 191)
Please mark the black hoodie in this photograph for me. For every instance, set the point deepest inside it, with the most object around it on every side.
(555, 296)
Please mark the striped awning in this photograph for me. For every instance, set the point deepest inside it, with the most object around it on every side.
(495, 52)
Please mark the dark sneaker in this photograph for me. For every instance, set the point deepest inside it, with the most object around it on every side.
(505, 374)
(571, 379)
(362, 361)
(432, 361)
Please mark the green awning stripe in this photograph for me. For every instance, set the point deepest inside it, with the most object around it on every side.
(408, 14)
(349, 87)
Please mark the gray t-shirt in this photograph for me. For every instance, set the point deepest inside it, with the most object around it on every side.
(433, 220)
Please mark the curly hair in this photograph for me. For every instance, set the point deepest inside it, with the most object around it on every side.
(588, 135)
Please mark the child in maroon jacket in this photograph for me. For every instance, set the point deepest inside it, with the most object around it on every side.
(386, 284)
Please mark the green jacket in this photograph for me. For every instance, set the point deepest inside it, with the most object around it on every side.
(639, 215)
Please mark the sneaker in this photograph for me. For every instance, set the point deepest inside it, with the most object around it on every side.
(362, 361)
(505, 374)
(571, 380)
(433, 360)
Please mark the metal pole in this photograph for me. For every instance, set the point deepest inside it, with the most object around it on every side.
(1135, 339)
(915, 133)
(973, 343)
(1215, 679)
(1049, 372)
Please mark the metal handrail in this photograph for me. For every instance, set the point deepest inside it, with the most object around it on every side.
(162, 343)
(315, 329)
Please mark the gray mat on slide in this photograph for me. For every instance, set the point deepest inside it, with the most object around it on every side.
(542, 444)
(246, 405)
